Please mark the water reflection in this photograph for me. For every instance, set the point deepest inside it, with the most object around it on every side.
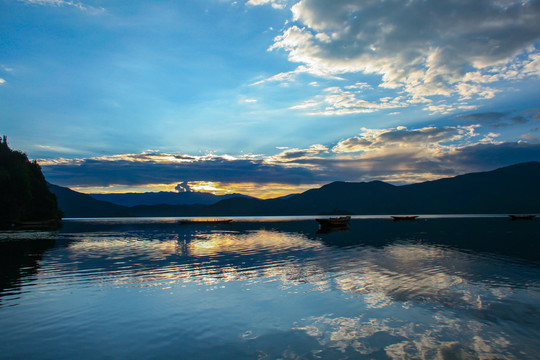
(20, 254)
(447, 288)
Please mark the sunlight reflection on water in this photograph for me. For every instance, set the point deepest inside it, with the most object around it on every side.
(273, 290)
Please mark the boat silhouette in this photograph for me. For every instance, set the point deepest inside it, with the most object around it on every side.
(404, 218)
(522, 217)
(334, 222)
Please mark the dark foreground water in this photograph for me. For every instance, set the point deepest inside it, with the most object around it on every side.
(446, 288)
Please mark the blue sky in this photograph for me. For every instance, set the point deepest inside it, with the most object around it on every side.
(268, 97)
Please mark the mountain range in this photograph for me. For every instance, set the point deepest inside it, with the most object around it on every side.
(512, 189)
(161, 198)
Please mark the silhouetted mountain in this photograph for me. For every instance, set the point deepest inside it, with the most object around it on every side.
(164, 198)
(286, 196)
(513, 189)
(24, 196)
(76, 204)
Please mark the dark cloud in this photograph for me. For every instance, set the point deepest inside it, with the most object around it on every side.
(475, 30)
(496, 119)
(353, 144)
(292, 155)
(430, 134)
(107, 172)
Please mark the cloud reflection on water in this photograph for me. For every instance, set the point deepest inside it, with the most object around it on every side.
(402, 298)
(400, 271)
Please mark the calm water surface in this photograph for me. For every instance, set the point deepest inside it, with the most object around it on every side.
(447, 288)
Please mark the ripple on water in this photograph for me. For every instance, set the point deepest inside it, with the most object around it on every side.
(156, 291)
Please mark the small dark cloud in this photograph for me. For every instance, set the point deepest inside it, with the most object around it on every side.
(354, 143)
(430, 134)
(183, 187)
(496, 119)
(290, 155)
(534, 114)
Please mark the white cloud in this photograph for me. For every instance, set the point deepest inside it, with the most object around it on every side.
(307, 104)
(423, 140)
(56, 149)
(284, 76)
(248, 101)
(2, 81)
(532, 67)
(276, 4)
(336, 101)
(427, 49)
(359, 85)
(59, 3)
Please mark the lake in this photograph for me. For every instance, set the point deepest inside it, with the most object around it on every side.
(272, 288)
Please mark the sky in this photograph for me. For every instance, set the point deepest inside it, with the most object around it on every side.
(268, 97)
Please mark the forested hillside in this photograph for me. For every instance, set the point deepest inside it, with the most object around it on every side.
(24, 195)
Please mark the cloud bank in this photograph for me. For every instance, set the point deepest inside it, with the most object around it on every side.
(160, 168)
(398, 155)
(425, 50)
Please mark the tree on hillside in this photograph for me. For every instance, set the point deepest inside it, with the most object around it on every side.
(24, 194)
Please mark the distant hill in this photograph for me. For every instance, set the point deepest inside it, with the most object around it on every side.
(24, 196)
(512, 189)
(76, 204)
(164, 198)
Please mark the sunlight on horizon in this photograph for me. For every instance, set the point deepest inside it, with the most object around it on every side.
(260, 191)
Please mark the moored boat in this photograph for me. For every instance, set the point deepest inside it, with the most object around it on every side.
(51, 224)
(522, 217)
(404, 218)
(334, 222)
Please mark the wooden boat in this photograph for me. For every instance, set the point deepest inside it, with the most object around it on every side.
(404, 218)
(51, 224)
(205, 221)
(522, 217)
(335, 222)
